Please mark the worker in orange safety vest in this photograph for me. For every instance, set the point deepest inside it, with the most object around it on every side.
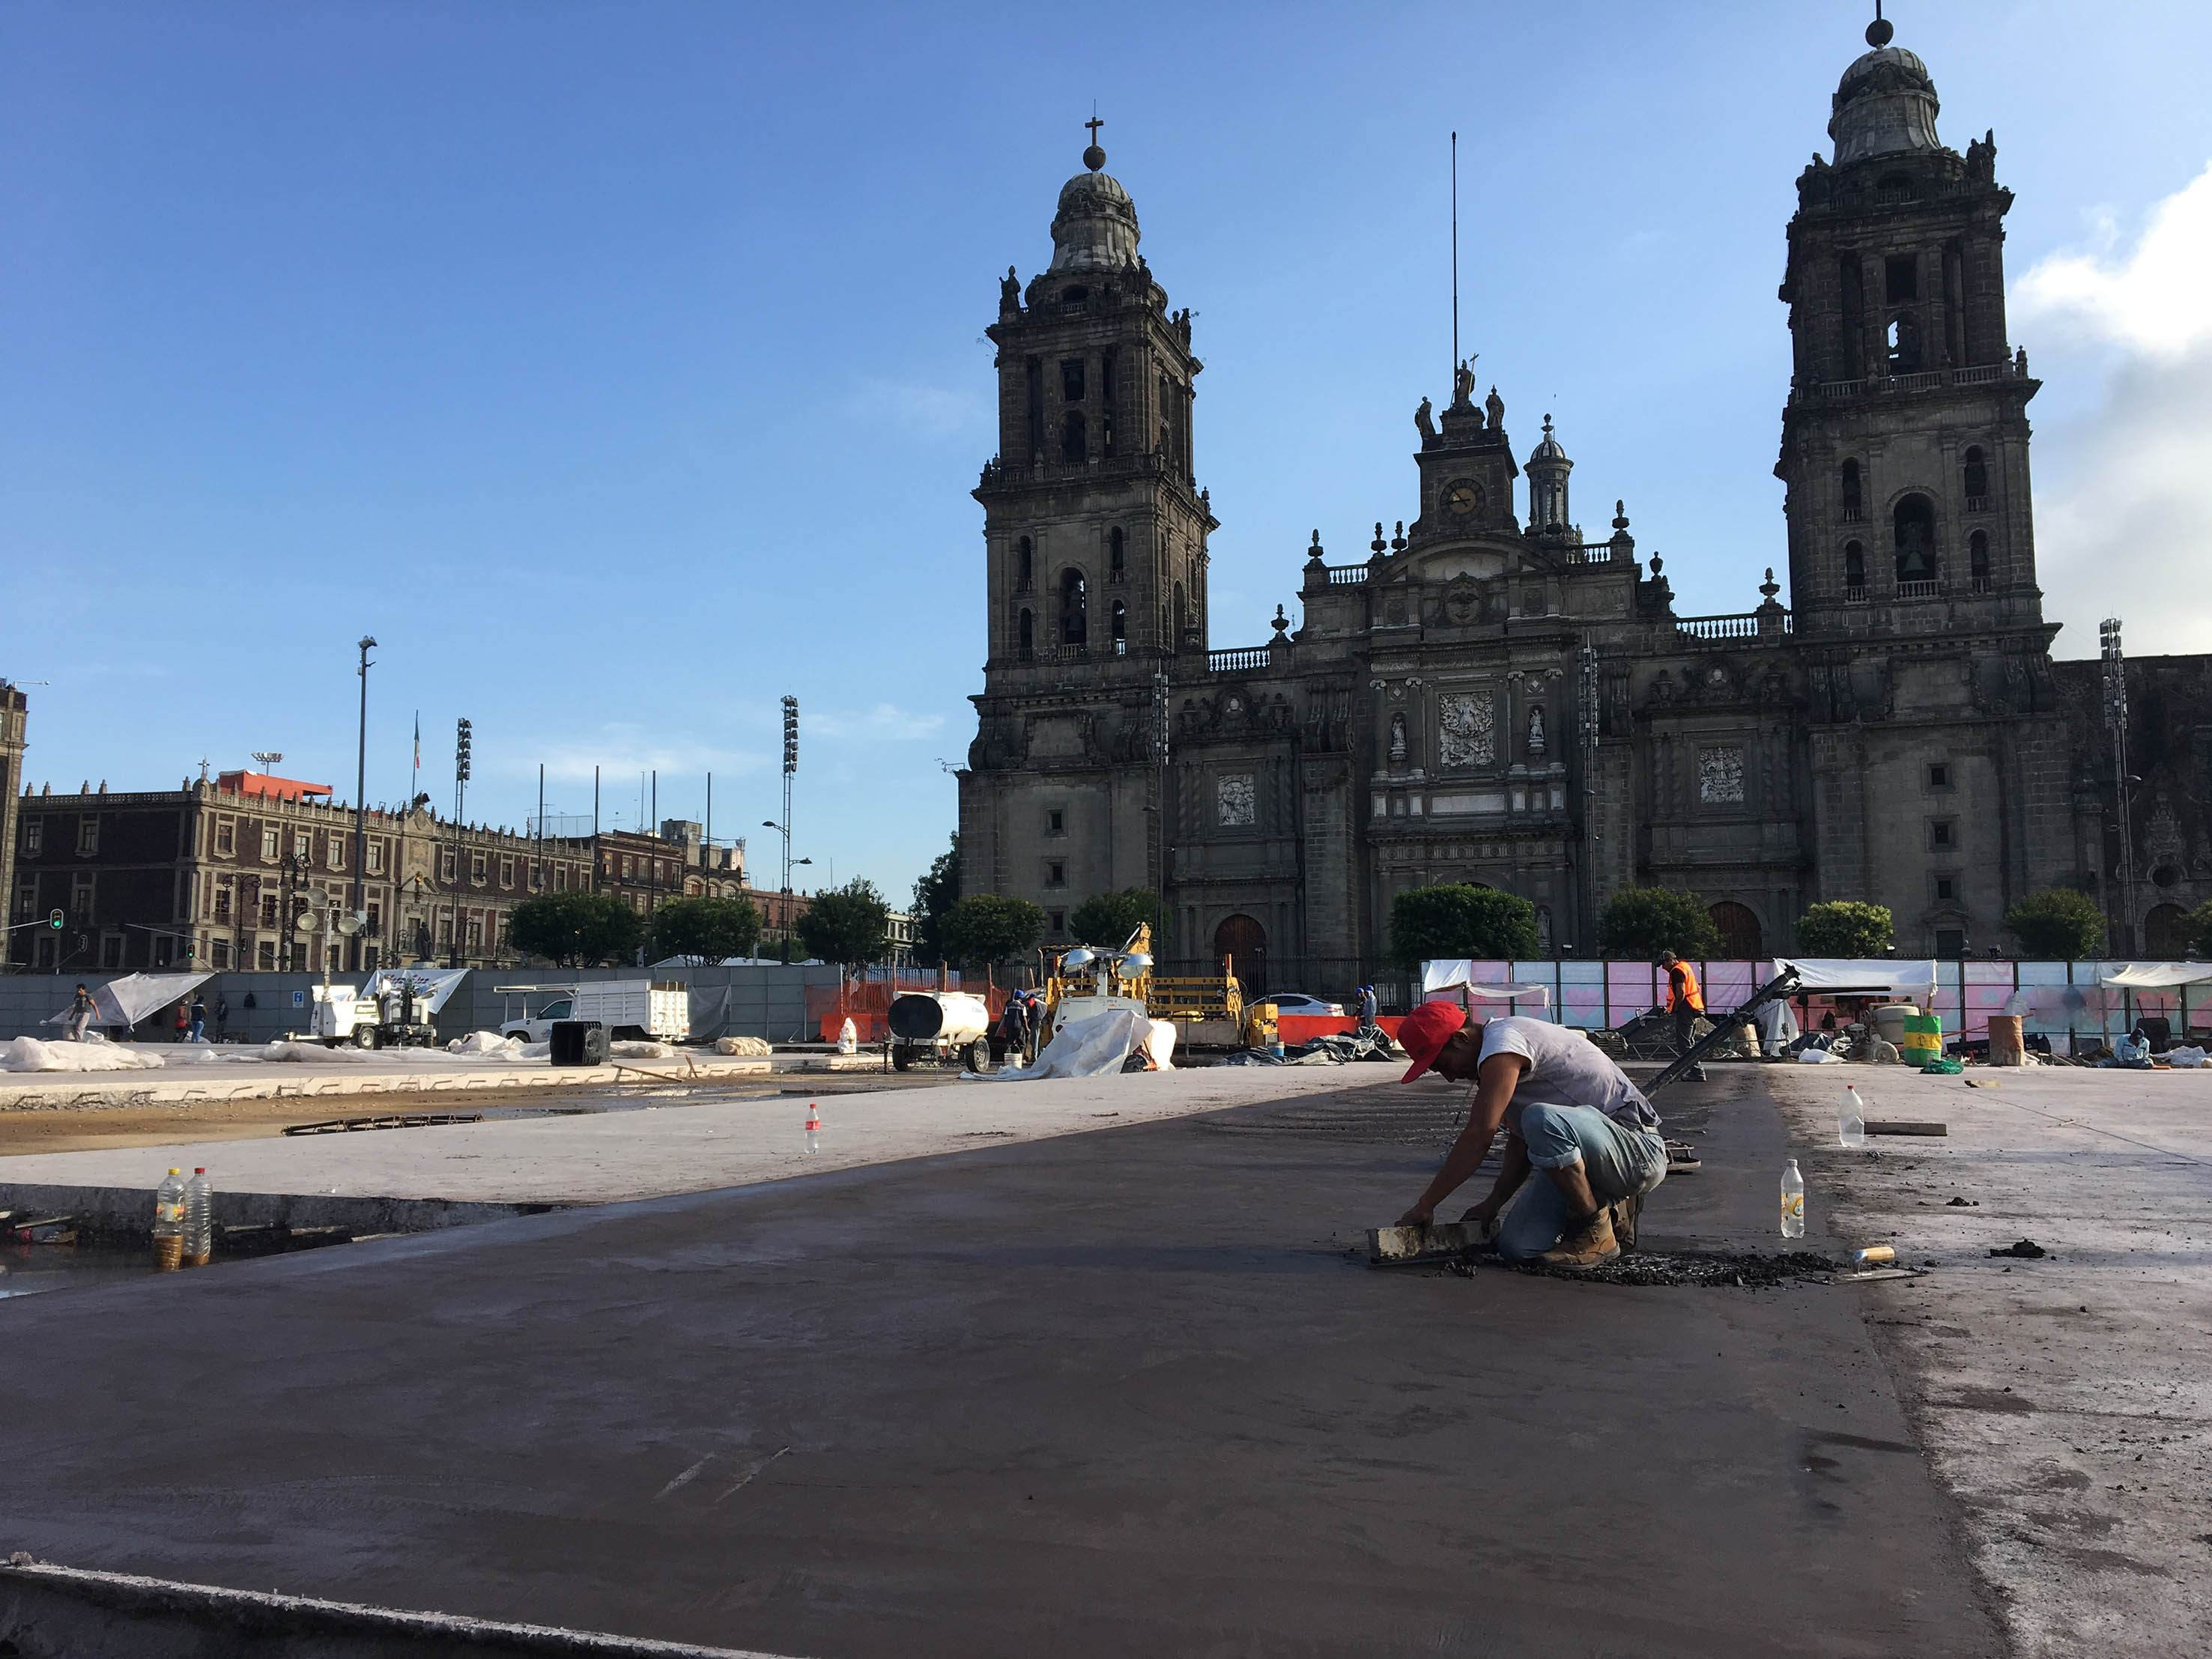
(1685, 998)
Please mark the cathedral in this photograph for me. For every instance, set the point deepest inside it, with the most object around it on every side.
(1491, 696)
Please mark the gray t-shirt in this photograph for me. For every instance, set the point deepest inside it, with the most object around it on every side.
(1565, 1068)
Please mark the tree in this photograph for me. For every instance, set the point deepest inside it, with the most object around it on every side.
(934, 893)
(2058, 923)
(705, 929)
(1845, 927)
(1427, 922)
(984, 928)
(2196, 927)
(1107, 920)
(575, 930)
(1647, 922)
(846, 925)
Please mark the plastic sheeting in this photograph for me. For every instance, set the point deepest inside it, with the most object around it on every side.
(1860, 977)
(2155, 976)
(433, 987)
(127, 1000)
(93, 1054)
(1096, 1046)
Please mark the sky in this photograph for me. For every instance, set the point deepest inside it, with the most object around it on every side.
(619, 367)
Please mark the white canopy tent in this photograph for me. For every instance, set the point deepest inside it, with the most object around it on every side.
(1847, 976)
(127, 1000)
(434, 987)
(2154, 976)
(1442, 975)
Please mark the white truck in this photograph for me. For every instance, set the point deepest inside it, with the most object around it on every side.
(632, 1010)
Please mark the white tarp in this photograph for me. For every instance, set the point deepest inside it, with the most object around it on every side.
(433, 987)
(127, 1000)
(1095, 1047)
(2155, 976)
(96, 1054)
(1844, 976)
(1447, 975)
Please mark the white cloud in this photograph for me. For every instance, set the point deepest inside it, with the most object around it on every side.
(2120, 523)
(930, 411)
(2152, 302)
(882, 721)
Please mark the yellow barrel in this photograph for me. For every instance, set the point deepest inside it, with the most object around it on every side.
(1922, 1040)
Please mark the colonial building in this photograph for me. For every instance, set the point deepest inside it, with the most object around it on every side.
(216, 874)
(1491, 695)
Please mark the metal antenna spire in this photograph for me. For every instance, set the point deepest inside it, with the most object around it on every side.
(1454, 227)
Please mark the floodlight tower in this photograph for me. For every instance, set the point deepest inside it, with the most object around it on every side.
(2114, 675)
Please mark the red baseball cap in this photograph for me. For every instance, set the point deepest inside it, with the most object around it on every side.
(1423, 1033)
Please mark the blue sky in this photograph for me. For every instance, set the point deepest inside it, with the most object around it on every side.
(620, 367)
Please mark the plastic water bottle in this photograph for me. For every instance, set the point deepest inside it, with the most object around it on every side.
(1793, 1200)
(199, 1218)
(1851, 1121)
(169, 1223)
(814, 1127)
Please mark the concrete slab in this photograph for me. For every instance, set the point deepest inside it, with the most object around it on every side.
(694, 1145)
(2066, 1401)
(1135, 1391)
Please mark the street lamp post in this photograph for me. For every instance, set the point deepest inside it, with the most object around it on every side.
(464, 749)
(2114, 676)
(361, 799)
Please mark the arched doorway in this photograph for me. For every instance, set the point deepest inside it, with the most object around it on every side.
(2166, 934)
(1742, 940)
(1241, 942)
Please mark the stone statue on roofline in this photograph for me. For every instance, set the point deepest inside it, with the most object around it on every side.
(1425, 418)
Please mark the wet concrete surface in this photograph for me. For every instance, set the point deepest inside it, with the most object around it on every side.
(1117, 1393)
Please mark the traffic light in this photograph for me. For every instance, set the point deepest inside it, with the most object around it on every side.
(54, 920)
(191, 951)
(461, 749)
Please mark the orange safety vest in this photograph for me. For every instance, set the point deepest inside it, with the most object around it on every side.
(1683, 993)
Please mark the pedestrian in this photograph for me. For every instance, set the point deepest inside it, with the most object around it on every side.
(1366, 1008)
(81, 1010)
(1571, 1115)
(221, 1018)
(199, 1020)
(183, 1021)
(1685, 1000)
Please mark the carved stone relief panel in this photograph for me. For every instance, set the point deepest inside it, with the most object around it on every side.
(1466, 729)
(1234, 806)
(1720, 776)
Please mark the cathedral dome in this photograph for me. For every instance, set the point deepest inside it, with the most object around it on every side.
(1885, 105)
(1095, 226)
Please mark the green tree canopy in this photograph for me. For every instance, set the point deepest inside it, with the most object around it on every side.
(1428, 923)
(1647, 922)
(2197, 928)
(1107, 920)
(575, 930)
(846, 925)
(934, 893)
(1845, 927)
(984, 928)
(2057, 922)
(705, 929)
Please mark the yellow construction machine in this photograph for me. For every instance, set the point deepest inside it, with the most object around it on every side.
(1206, 1012)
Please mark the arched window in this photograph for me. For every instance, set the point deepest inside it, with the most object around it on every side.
(1741, 938)
(1074, 608)
(1178, 621)
(1914, 522)
(2166, 932)
(1904, 344)
(1167, 417)
(1074, 446)
(1024, 566)
(1977, 558)
(1240, 947)
(1121, 621)
(1116, 560)
(1855, 567)
(1854, 501)
(1977, 480)
(1025, 636)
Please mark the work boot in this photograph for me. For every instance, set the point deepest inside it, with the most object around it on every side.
(1625, 1213)
(1591, 1244)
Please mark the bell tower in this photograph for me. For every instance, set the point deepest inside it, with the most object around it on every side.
(1905, 441)
(1095, 529)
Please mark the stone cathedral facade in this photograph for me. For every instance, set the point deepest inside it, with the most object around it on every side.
(1491, 694)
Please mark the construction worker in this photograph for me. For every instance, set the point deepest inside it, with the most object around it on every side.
(1685, 1000)
(1569, 1113)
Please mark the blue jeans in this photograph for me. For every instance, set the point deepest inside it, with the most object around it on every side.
(199, 1031)
(1618, 1161)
